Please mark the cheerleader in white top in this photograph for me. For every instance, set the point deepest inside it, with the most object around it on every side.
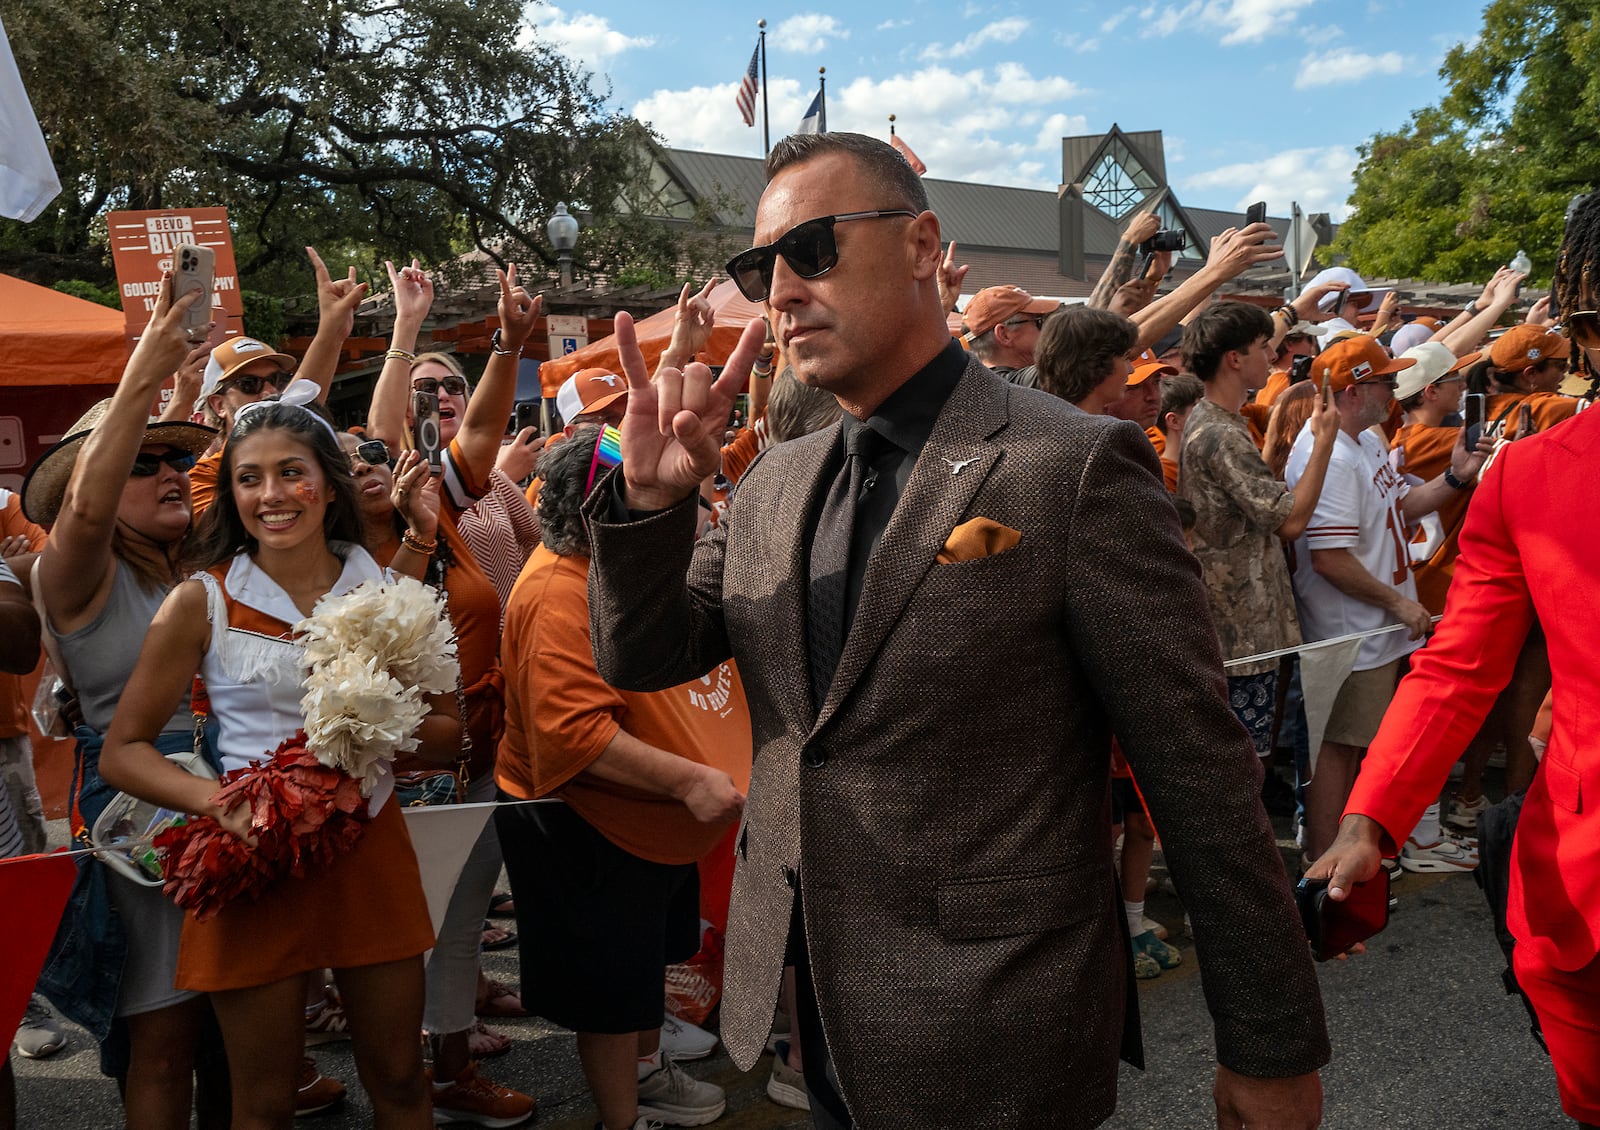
(282, 534)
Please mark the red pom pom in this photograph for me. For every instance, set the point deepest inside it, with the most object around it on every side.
(303, 815)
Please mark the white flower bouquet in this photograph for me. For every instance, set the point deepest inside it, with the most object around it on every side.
(374, 653)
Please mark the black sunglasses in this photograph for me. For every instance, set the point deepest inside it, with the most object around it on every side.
(810, 249)
(1036, 319)
(1583, 326)
(372, 452)
(452, 384)
(146, 464)
(253, 383)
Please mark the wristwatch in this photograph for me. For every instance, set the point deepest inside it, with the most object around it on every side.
(494, 345)
(1452, 482)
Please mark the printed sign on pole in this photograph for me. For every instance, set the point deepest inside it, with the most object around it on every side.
(142, 244)
(568, 333)
(141, 247)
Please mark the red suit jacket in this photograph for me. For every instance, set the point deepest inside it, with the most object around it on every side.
(1529, 548)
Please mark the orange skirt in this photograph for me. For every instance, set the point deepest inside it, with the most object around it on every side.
(366, 908)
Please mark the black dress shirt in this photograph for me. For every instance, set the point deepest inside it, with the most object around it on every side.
(903, 423)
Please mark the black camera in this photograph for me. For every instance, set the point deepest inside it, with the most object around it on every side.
(1173, 239)
(1300, 369)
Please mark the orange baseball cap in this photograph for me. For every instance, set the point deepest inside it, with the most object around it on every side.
(1522, 347)
(995, 304)
(1356, 360)
(1465, 362)
(589, 390)
(1142, 373)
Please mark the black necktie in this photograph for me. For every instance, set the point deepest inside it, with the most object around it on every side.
(827, 596)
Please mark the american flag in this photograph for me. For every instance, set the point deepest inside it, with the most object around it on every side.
(748, 89)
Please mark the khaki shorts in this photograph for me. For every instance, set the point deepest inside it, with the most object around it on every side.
(1362, 701)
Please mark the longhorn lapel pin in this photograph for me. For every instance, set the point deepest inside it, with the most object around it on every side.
(958, 465)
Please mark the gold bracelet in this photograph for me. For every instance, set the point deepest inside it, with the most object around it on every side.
(399, 355)
(417, 545)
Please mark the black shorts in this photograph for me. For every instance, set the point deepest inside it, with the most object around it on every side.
(598, 925)
(1123, 799)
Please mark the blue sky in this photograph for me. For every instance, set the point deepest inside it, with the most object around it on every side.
(1257, 98)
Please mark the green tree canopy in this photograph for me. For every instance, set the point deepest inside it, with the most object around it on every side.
(370, 128)
(1490, 169)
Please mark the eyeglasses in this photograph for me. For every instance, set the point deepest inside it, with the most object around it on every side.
(251, 384)
(1036, 319)
(1583, 326)
(146, 463)
(372, 452)
(452, 384)
(810, 249)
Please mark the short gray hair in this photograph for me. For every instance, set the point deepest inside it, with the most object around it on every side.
(795, 409)
(564, 471)
(882, 163)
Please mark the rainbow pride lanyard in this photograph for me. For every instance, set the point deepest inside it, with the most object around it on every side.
(607, 454)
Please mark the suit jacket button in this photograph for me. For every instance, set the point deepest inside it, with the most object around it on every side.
(814, 759)
(789, 877)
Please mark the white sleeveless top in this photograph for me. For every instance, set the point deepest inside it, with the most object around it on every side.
(254, 681)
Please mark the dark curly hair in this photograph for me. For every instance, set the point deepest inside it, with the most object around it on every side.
(1578, 271)
(221, 533)
(564, 471)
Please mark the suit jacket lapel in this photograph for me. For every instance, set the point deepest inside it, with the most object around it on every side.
(935, 497)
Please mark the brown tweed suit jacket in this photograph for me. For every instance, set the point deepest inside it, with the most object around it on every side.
(946, 806)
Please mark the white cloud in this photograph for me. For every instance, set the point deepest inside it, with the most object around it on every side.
(1008, 30)
(964, 125)
(1345, 65)
(1111, 24)
(1240, 21)
(582, 36)
(1320, 179)
(890, 25)
(1075, 41)
(808, 33)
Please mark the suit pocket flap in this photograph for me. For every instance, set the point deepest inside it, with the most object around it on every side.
(1002, 906)
(1563, 783)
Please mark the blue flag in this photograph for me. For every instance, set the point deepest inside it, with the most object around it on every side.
(816, 119)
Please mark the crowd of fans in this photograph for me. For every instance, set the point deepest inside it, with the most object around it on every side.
(1315, 454)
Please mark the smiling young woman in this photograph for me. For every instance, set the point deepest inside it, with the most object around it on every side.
(283, 533)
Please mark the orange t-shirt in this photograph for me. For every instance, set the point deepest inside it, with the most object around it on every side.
(13, 523)
(1267, 395)
(561, 715)
(1256, 416)
(1547, 408)
(738, 455)
(1169, 469)
(203, 483)
(1423, 452)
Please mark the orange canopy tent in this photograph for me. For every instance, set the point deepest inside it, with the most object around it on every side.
(732, 312)
(50, 339)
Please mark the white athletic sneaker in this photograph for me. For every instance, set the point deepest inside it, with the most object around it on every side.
(686, 1041)
(786, 1086)
(1444, 855)
(672, 1097)
(1464, 813)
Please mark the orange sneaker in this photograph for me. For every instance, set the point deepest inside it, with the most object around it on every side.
(317, 1092)
(472, 1098)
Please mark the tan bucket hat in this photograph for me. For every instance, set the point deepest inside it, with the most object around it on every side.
(46, 483)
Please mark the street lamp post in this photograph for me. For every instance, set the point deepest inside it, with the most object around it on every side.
(563, 229)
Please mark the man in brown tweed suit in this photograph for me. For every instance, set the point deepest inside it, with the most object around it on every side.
(929, 803)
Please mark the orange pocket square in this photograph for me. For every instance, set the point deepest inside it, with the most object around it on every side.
(980, 537)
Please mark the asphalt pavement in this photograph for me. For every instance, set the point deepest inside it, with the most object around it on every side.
(1423, 1038)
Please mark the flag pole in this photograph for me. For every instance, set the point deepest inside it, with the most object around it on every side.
(822, 78)
(766, 130)
(891, 125)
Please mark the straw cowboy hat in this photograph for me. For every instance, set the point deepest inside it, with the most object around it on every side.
(45, 485)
